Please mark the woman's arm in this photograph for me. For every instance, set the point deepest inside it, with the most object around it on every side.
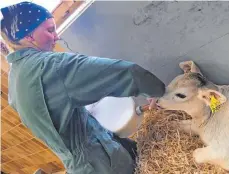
(88, 79)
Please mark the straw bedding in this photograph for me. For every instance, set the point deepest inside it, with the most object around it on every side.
(162, 149)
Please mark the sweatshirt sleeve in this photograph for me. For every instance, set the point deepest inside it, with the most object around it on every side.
(88, 79)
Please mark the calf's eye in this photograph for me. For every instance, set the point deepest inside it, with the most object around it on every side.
(180, 95)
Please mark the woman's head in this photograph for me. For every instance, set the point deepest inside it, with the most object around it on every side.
(28, 25)
(44, 36)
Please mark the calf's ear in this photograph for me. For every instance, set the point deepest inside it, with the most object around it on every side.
(211, 97)
(189, 66)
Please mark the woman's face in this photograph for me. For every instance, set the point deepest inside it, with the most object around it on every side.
(45, 36)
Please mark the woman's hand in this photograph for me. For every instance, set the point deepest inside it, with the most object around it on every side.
(152, 102)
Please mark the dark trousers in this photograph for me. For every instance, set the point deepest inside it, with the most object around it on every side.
(129, 145)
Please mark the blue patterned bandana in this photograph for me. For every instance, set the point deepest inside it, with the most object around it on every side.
(21, 19)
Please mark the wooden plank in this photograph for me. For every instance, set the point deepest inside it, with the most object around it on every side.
(4, 96)
(4, 158)
(42, 157)
(60, 172)
(4, 81)
(18, 172)
(48, 156)
(5, 75)
(13, 166)
(3, 72)
(9, 139)
(61, 14)
(33, 146)
(21, 134)
(12, 118)
(24, 129)
(30, 170)
(5, 168)
(4, 89)
(39, 143)
(9, 110)
(63, 7)
(51, 167)
(3, 146)
(59, 166)
(6, 125)
(20, 163)
(37, 160)
(20, 151)
(4, 103)
(13, 154)
(4, 64)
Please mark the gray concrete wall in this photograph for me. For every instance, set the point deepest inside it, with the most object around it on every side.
(157, 35)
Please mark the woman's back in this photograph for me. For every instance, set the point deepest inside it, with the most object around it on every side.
(40, 97)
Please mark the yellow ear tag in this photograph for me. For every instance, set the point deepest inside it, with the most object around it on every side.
(214, 105)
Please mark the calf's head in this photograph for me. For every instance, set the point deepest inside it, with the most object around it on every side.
(190, 92)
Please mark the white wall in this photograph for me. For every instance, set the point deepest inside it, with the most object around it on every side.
(157, 35)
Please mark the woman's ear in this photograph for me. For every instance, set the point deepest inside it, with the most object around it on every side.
(29, 38)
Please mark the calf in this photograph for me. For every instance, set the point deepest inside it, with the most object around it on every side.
(207, 104)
